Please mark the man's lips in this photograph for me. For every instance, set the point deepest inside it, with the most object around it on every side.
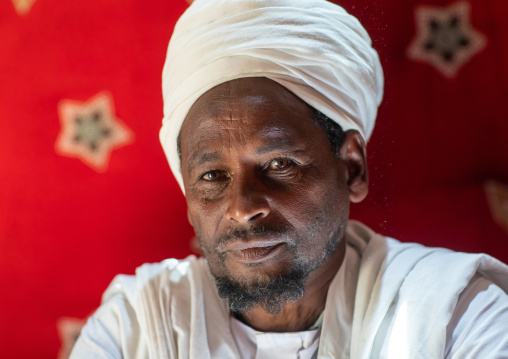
(255, 250)
(253, 243)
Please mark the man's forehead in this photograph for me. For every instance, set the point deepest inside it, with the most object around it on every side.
(256, 133)
(259, 119)
(258, 91)
(245, 105)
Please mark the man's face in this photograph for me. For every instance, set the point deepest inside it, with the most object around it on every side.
(267, 197)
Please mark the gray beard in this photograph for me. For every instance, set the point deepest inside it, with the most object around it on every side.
(272, 297)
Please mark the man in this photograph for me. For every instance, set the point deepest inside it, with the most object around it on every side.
(268, 105)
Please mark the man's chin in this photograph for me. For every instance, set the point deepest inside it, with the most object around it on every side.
(271, 292)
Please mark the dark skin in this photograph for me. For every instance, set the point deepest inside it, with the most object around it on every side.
(253, 156)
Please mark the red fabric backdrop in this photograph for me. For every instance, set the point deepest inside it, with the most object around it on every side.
(66, 230)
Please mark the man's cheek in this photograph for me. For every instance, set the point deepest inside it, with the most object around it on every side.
(305, 207)
(198, 217)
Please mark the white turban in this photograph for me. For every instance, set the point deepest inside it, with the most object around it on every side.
(312, 47)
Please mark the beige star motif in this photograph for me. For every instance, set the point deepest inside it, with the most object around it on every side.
(22, 6)
(68, 331)
(497, 196)
(90, 131)
(445, 38)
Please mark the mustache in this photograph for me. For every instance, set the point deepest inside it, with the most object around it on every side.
(245, 234)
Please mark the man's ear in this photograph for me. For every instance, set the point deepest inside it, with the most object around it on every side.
(354, 156)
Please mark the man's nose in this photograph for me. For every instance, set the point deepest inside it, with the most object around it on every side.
(247, 200)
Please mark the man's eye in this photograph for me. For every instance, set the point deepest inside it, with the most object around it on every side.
(212, 175)
(279, 163)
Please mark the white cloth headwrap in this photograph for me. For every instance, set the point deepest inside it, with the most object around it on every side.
(312, 47)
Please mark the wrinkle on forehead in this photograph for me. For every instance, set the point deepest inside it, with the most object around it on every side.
(228, 112)
(259, 91)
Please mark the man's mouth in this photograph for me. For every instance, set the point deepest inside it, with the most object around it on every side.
(255, 251)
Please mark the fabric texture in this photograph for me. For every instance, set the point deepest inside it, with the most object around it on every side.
(388, 300)
(259, 345)
(312, 47)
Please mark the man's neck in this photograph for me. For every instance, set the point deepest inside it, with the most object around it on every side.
(301, 314)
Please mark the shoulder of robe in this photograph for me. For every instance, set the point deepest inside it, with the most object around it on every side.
(398, 285)
(405, 257)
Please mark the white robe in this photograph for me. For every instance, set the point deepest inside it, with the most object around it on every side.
(388, 300)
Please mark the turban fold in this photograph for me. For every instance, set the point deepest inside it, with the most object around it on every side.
(312, 47)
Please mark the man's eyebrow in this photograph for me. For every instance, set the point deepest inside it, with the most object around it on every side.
(200, 157)
(279, 144)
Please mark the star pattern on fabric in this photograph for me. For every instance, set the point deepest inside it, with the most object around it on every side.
(69, 330)
(497, 197)
(445, 38)
(90, 131)
(22, 6)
